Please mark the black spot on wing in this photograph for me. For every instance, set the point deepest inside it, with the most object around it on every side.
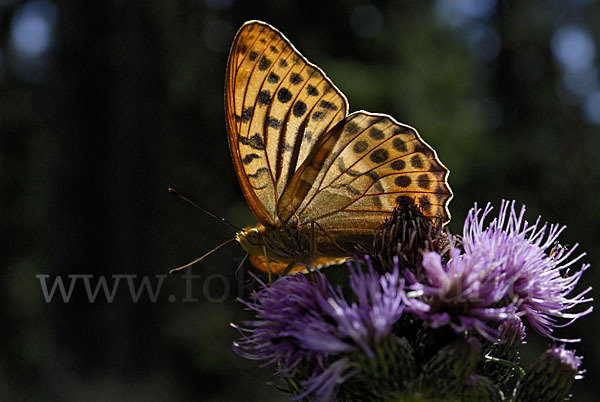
(440, 193)
(402, 181)
(253, 55)
(379, 155)
(399, 144)
(327, 105)
(255, 142)
(376, 184)
(273, 78)
(299, 108)
(351, 128)
(312, 91)
(273, 122)
(284, 95)
(318, 115)
(296, 79)
(360, 146)
(402, 130)
(398, 165)
(264, 97)
(247, 115)
(425, 203)
(377, 119)
(352, 190)
(249, 158)
(376, 133)
(264, 63)
(416, 162)
(423, 181)
(259, 172)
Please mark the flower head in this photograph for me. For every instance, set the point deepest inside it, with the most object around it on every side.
(289, 328)
(505, 269)
(310, 325)
(463, 294)
(527, 260)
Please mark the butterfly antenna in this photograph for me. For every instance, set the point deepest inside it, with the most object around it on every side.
(192, 203)
(171, 272)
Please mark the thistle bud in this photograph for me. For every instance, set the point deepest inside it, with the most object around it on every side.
(447, 372)
(551, 376)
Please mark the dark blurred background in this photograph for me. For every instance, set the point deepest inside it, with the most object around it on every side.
(104, 105)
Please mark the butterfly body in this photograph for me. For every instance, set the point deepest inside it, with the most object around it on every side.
(318, 179)
(279, 244)
(288, 246)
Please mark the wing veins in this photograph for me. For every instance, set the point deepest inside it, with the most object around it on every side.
(325, 172)
(278, 167)
(300, 137)
(254, 106)
(330, 185)
(263, 28)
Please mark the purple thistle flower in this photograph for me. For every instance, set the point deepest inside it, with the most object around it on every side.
(304, 324)
(463, 294)
(537, 272)
(290, 328)
(505, 270)
(379, 306)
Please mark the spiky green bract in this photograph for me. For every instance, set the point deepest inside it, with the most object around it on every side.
(504, 352)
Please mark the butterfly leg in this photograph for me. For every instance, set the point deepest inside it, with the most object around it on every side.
(313, 240)
(267, 261)
(330, 238)
(288, 269)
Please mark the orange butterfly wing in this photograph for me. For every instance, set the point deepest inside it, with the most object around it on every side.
(277, 106)
(368, 164)
(303, 163)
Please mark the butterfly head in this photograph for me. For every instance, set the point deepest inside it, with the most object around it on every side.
(251, 239)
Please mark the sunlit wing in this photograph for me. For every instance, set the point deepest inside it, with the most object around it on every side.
(359, 171)
(278, 105)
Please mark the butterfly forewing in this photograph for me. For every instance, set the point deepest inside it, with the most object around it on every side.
(277, 105)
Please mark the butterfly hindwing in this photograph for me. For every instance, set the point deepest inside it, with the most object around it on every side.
(363, 168)
(277, 105)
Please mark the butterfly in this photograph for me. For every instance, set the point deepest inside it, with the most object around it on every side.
(319, 180)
